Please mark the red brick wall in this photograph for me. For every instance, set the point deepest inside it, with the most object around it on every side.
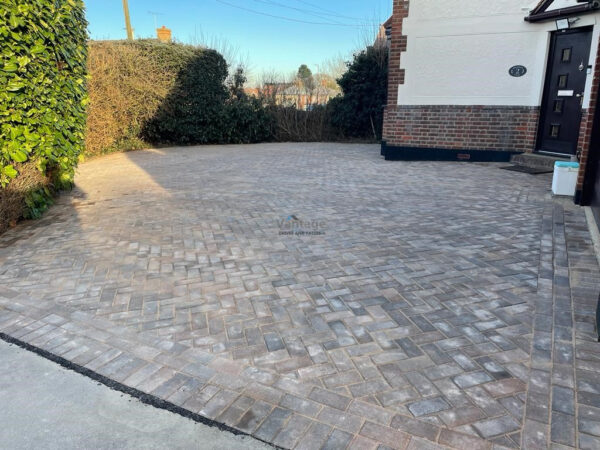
(397, 46)
(585, 132)
(509, 128)
(587, 123)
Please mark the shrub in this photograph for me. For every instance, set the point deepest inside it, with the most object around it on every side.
(42, 100)
(295, 125)
(247, 121)
(128, 83)
(194, 109)
(147, 92)
(358, 113)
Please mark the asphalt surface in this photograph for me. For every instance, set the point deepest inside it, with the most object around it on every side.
(43, 405)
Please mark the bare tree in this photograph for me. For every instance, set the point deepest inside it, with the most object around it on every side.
(232, 53)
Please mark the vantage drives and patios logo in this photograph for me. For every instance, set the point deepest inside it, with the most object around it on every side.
(293, 226)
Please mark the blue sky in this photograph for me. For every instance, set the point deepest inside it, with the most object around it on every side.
(267, 43)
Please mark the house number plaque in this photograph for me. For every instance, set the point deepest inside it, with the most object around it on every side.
(517, 71)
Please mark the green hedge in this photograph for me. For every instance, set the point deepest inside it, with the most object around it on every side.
(358, 113)
(145, 93)
(42, 90)
(192, 112)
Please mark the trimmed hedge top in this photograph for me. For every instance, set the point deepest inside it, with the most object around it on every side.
(42, 87)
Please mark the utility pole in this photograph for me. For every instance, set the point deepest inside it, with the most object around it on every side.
(127, 21)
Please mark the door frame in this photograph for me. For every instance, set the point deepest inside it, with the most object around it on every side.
(546, 91)
(592, 171)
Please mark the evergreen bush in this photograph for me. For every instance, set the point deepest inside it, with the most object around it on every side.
(43, 101)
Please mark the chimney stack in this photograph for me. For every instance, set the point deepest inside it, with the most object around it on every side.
(163, 34)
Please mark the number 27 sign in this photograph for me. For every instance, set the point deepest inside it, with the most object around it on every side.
(517, 71)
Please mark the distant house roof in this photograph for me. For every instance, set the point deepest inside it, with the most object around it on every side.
(317, 91)
(385, 32)
(388, 23)
(254, 92)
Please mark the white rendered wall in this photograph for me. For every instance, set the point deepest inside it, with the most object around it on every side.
(459, 53)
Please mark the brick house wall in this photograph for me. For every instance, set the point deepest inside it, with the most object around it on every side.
(397, 46)
(462, 127)
(500, 128)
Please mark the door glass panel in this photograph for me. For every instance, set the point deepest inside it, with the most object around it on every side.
(554, 130)
(562, 81)
(566, 55)
(558, 106)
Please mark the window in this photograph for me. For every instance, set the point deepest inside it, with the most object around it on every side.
(558, 106)
(554, 130)
(562, 81)
(566, 55)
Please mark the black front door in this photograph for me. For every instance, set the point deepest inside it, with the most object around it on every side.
(563, 94)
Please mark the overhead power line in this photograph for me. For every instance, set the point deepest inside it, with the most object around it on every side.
(321, 15)
(315, 6)
(291, 19)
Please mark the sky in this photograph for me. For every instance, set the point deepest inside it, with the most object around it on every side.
(304, 31)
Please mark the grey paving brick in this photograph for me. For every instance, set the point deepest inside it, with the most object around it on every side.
(274, 342)
(415, 427)
(513, 405)
(587, 442)
(535, 435)
(385, 435)
(218, 403)
(563, 400)
(375, 414)
(273, 424)
(330, 398)
(342, 420)
(443, 371)
(300, 405)
(494, 427)
(292, 431)
(254, 416)
(315, 437)
(504, 387)
(338, 439)
(411, 350)
(457, 417)
(472, 379)
(453, 439)
(562, 429)
(426, 407)
(422, 444)
(589, 399)
(538, 407)
(589, 427)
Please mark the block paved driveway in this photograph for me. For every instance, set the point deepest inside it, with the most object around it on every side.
(446, 304)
